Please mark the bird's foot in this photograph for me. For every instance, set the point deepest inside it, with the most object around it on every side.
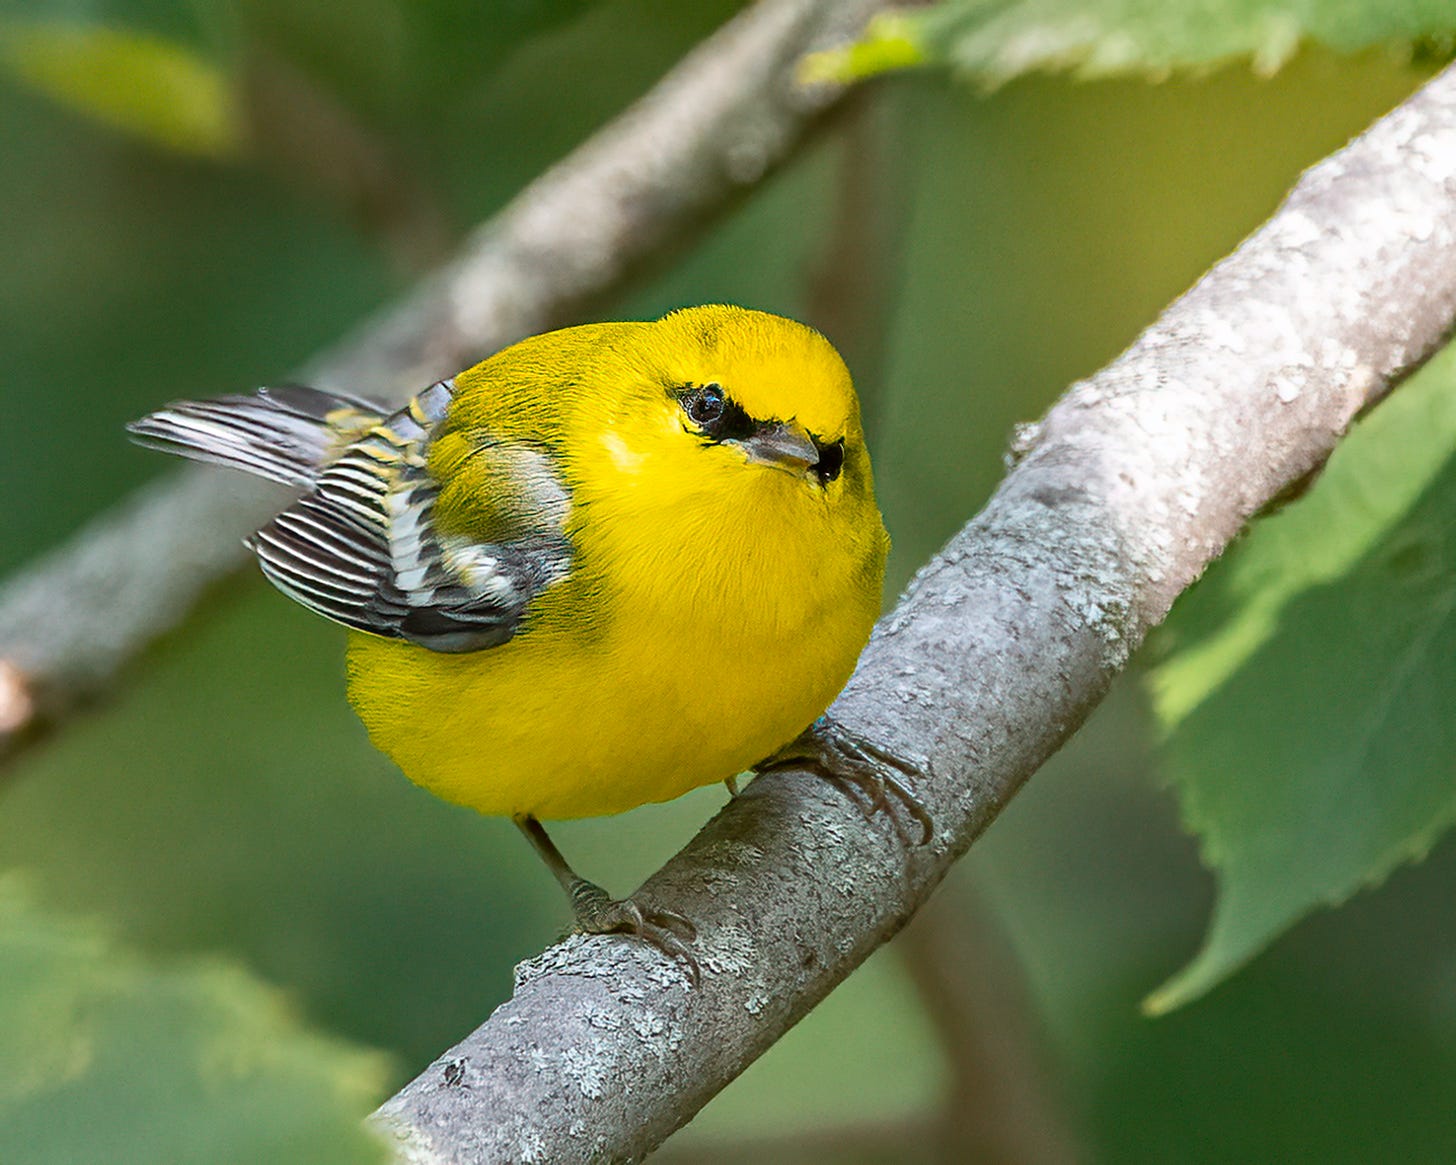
(597, 912)
(870, 774)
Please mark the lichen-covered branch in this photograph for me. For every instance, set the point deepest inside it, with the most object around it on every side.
(1004, 642)
(728, 113)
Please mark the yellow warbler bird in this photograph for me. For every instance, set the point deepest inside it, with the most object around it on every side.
(603, 567)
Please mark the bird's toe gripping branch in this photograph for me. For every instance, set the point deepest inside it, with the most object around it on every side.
(597, 912)
(875, 777)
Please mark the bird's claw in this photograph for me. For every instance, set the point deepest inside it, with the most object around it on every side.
(597, 912)
(870, 773)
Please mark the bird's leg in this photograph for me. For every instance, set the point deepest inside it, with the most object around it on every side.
(870, 772)
(597, 912)
(732, 784)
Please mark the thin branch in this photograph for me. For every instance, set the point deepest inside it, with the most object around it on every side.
(315, 142)
(850, 284)
(715, 125)
(1002, 1107)
(1003, 644)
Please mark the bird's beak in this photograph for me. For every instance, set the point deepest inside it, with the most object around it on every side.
(784, 445)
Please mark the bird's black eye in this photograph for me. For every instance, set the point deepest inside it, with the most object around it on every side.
(831, 461)
(715, 414)
(705, 406)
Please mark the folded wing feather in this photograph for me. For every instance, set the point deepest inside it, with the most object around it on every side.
(362, 545)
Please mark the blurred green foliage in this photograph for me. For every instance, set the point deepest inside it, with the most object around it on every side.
(996, 41)
(226, 803)
(142, 84)
(194, 1062)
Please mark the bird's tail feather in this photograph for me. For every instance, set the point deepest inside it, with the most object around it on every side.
(285, 434)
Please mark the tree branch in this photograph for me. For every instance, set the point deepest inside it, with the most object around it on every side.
(716, 124)
(1002, 1108)
(1002, 645)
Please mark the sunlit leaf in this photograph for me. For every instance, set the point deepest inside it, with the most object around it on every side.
(994, 41)
(891, 40)
(139, 83)
(1310, 694)
(105, 1057)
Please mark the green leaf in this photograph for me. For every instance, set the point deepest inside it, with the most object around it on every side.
(891, 40)
(139, 83)
(108, 1058)
(994, 41)
(1310, 693)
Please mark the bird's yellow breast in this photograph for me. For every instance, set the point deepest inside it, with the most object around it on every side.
(661, 666)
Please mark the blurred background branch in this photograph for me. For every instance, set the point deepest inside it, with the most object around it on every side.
(315, 141)
(1002, 1106)
(717, 124)
(1004, 643)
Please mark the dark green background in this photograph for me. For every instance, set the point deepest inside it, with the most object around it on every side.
(226, 801)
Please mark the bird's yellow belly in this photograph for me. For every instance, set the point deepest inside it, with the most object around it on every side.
(557, 729)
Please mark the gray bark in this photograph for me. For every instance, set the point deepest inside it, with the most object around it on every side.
(715, 125)
(998, 651)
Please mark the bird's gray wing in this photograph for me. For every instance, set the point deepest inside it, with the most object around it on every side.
(362, 546)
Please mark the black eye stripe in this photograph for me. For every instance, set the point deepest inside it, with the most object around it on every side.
(718, 418)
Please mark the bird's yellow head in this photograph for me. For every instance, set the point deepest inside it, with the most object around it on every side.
(742, 400)
(734, 437)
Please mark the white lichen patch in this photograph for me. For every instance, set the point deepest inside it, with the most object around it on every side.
(630, 992)
(565, 956)
(601, 1018)
(1437, 151)
(1288, 384)
(588, 1072)
(731, 854)
(716, 881)
(1100, 603)
(530, 1147)
(649, 1026)
(1217, 329)
(734, 950)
